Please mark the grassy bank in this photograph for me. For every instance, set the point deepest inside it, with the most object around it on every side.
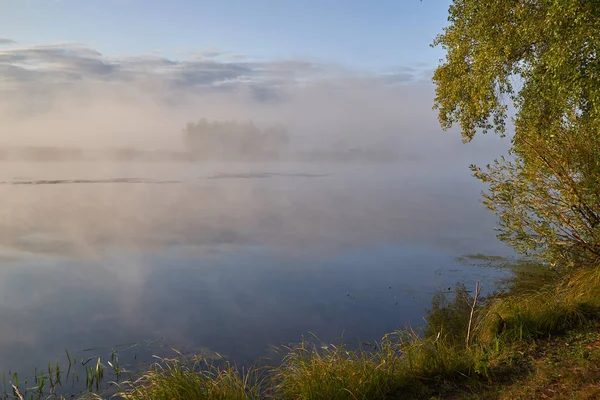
(538, 339)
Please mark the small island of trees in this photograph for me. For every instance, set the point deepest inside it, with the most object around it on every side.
(233, 140)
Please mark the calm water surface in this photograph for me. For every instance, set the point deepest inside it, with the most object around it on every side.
(226, 258)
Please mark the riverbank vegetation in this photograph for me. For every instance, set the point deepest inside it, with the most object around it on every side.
(525, 342)
(535, 63)
(540, 337)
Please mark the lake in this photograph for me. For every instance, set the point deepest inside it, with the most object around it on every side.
(226, 258)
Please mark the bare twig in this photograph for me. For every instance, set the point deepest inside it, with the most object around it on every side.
(16, 392)
(477, 291)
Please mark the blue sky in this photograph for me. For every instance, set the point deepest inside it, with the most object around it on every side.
(357, 34)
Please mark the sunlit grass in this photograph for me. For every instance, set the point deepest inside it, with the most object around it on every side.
(335, 372)
(404, 362)
(552, 308)
(401, 362)
(171, 379)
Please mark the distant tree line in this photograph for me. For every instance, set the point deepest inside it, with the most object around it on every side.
(231, 139)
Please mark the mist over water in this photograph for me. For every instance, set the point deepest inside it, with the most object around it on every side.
(228, 255)
(230, 258)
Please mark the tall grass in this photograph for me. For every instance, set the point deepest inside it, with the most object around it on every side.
(171, 379)
(400, 362)
(335, 372)
(405, 361)
(555, 307)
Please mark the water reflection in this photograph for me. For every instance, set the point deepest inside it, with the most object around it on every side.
(234, 263)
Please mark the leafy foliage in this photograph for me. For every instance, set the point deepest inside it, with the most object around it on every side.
(543, 59)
